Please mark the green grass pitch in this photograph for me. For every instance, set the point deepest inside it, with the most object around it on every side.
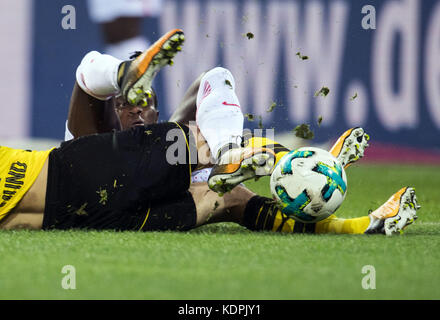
(225, 261)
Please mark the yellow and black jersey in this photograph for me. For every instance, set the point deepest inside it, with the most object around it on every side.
(18, 171)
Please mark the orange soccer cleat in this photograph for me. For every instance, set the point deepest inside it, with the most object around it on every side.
(350, 146)
(395, 214)
(238, 164)
(135, 76)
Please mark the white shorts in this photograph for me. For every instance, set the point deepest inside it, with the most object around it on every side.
(105, 11)
(201, 175)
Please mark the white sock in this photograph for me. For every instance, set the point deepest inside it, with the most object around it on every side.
(124, 49)
(97, 75)
(219, 116)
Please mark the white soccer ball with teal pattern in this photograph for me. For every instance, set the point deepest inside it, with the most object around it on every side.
(309, 184)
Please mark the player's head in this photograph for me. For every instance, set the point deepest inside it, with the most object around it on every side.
(138, 115)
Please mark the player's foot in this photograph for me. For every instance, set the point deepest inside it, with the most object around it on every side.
(238, 164)
(350, 146)
(135, 76)
(251, 141)
(395, 214)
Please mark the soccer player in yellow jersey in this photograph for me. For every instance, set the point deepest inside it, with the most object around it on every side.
(123, 180)
(19, 170)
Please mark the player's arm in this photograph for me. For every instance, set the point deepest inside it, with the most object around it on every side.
(88, 115)
(186, 111)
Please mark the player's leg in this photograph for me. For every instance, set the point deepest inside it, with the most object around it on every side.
(186, 111)
(95, 84)
(220, 120)
(240, 206)
(398, 211)
(103, 76)
(214, 88)
(100, 77)
(262, 214)
(258, 213)
(88, 115)
(212, 208)
(21, 220)
(196, 207)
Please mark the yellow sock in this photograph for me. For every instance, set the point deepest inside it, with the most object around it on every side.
(336, 225)
(281, 223)
(330, 225)
(262, 214)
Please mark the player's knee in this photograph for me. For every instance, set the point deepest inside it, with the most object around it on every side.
(240, 195)
(217, 70)
(219, 76)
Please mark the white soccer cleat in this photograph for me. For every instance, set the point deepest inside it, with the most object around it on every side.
(236, 165)
(395, 214)
(350, 147)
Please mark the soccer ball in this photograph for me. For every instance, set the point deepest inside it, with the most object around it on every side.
(309, 184)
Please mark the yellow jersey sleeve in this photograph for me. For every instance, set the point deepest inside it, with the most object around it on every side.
(18, 171)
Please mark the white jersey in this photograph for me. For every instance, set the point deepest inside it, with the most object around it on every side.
(105, 11)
